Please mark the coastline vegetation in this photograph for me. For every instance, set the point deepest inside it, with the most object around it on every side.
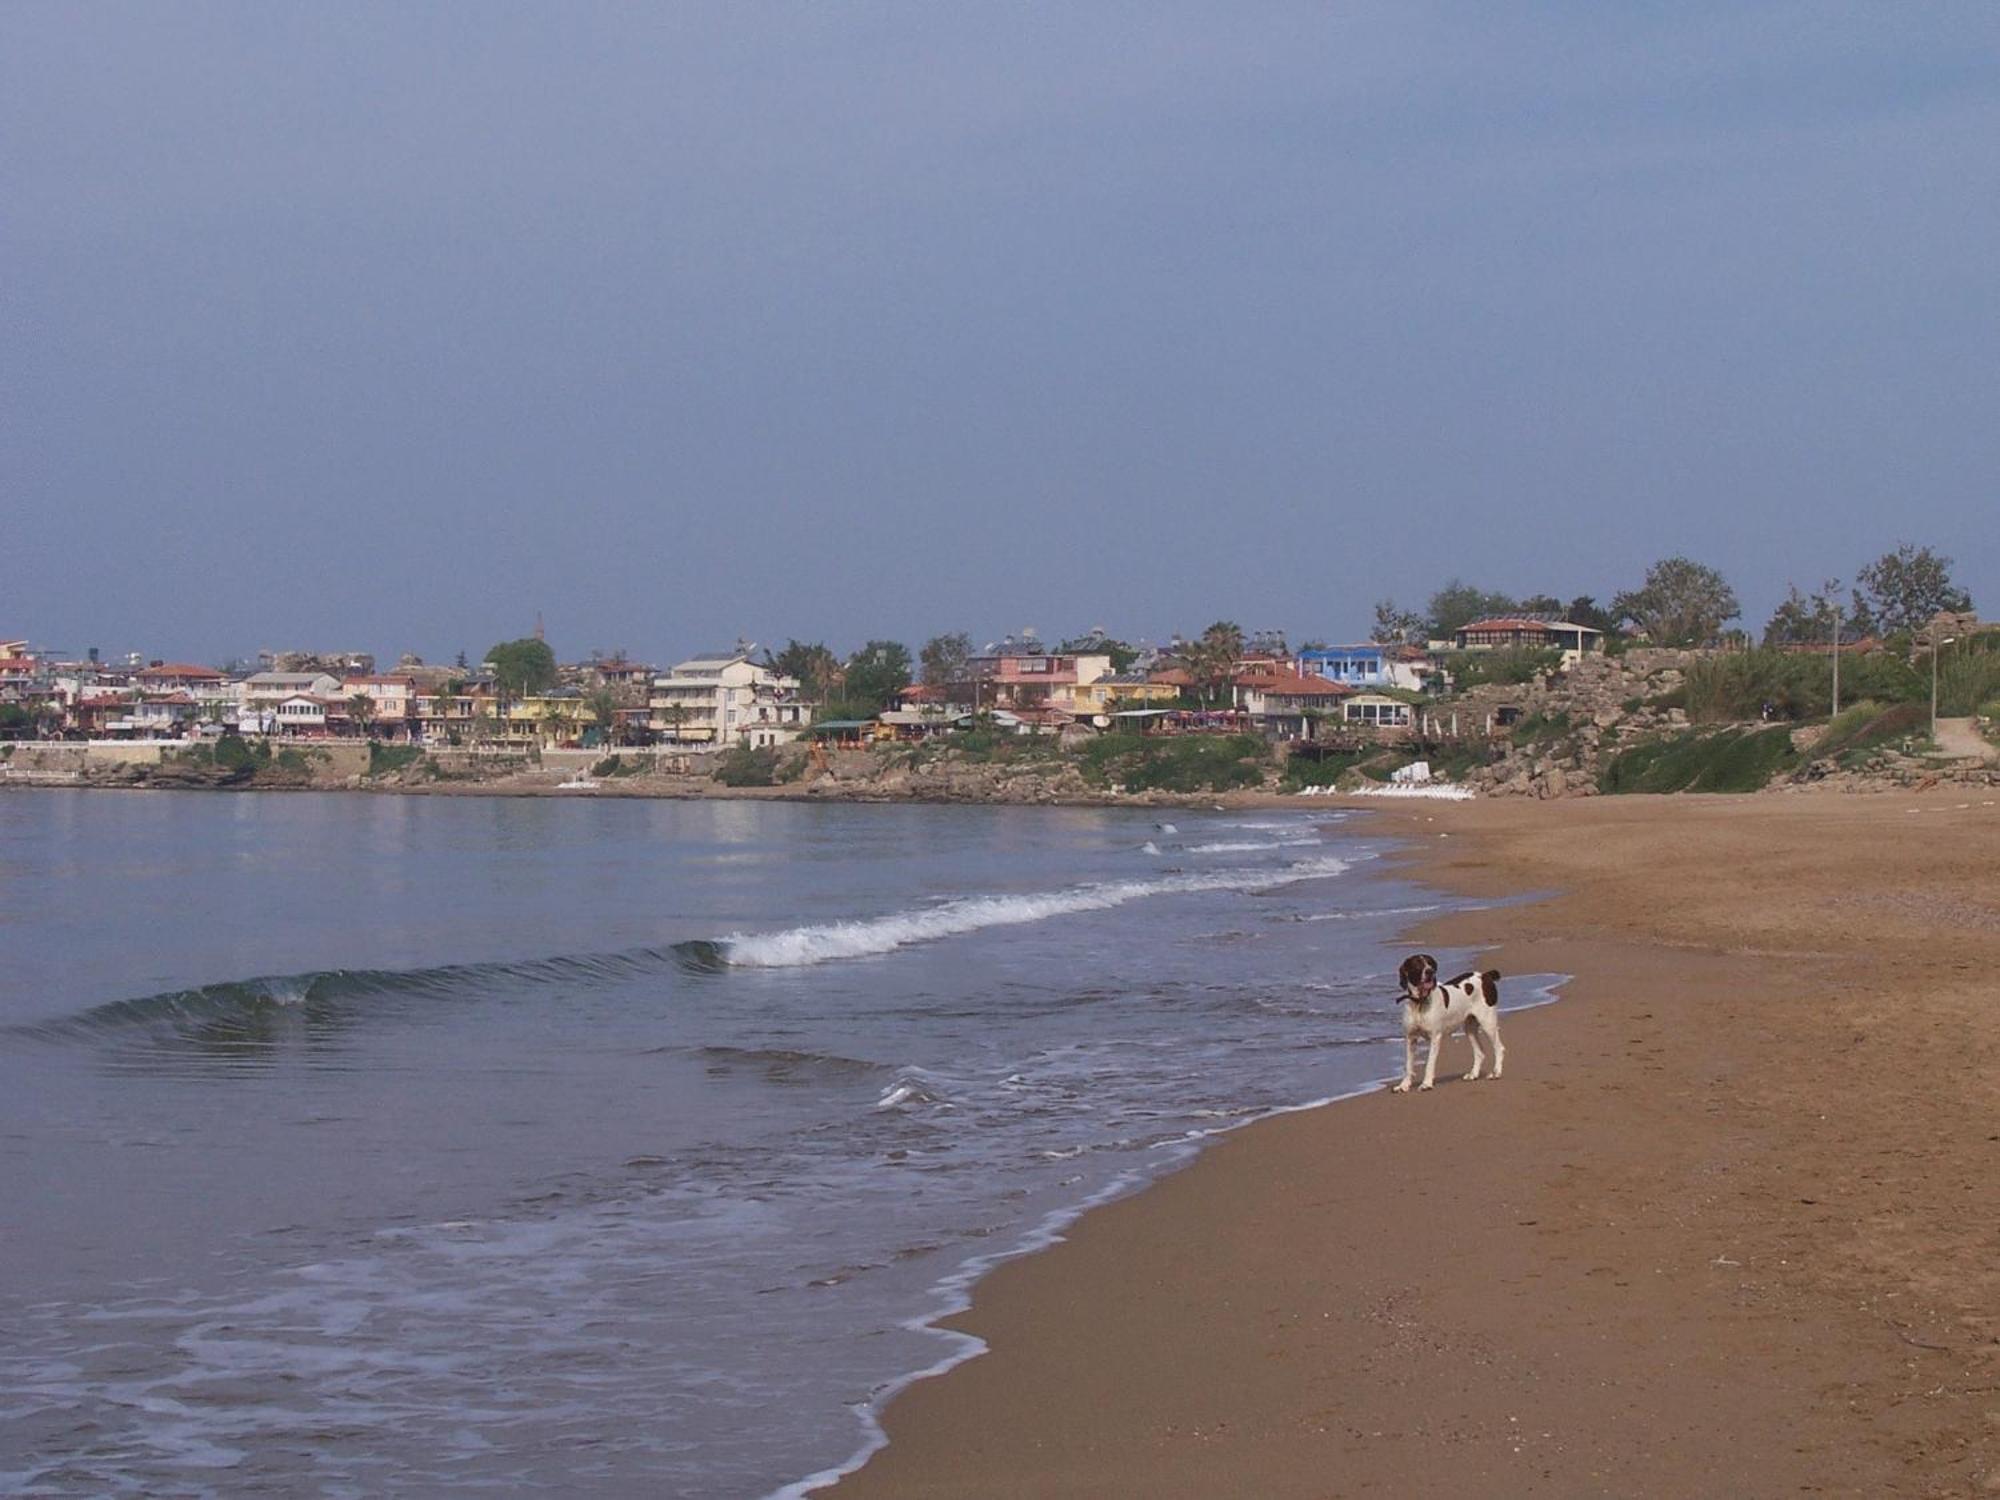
(1189, 763)
(1702, 760)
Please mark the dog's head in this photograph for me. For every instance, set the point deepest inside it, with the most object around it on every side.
(1419, 976)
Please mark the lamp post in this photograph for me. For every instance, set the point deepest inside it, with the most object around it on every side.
(1836, 661)
(1935, 643)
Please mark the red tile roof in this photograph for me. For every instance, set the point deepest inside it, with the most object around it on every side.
(1292, 685)
(180, 669)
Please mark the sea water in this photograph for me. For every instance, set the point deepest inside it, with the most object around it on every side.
(357, 1146)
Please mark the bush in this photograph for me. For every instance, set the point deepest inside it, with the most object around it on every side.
(1539, 727)
(382, 758)
(1968, 675)
(1510, 668)
(744, 766)
(1183, 763)
(1793, 685)
(233, 753)
(1728, 760)
(1325, 771)
(1850, 739)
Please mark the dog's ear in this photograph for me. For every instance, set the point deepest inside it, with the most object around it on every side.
(1412, 971)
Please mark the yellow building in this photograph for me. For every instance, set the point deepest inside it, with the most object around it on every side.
(1127, 690)
(552, 723)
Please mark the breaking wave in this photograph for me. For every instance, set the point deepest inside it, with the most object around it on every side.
(797, 946)
(250, 1010)
(247, 1012)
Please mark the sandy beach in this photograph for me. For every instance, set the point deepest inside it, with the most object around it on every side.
(1729, 1226)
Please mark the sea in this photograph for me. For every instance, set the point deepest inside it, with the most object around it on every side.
(358, 1146)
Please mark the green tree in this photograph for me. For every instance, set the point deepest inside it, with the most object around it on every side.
(1900, 591)
(1395, 626)
(361, 709)
(1584, 610)
(816, 668)
(946, 660)
(1211, 660)
(523, 668)
(603, 705)
(1458, 604)
(1681, 603)
(877, 672)
(1805, 619)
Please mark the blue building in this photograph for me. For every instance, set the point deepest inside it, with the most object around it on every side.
(1357, 666)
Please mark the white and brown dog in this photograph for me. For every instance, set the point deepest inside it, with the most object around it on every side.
(1437, 1010)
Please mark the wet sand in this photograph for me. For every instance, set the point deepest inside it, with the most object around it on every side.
(1729, 1226)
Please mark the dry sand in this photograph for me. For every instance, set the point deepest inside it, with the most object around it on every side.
(1730, 1226)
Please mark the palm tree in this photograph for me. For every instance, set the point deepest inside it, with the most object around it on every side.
(1211, 661)
(361, 709)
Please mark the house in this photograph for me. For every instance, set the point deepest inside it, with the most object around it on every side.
(455, 712)
(392, 705)
(1122, 690)
(259, 697)
(1018, 675)
(18, 671)
(1373, 664)
(552, 721)
(1284, 703)
(948, 701)
(310, 716)
(179, 677)
(1377, 709)
(1531, 633)
(161, 716)
(723, 699)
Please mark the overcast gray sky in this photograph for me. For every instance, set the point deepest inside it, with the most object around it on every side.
(388, 326)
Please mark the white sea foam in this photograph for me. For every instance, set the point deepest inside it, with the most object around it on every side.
(798, 946)
(1251, 846)
(1434, 791)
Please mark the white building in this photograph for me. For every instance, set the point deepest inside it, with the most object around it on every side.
(725, 699)
(259, 697)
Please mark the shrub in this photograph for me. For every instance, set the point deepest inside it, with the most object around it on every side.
(1851, 739)
(1793, 685)
(383, 758)
(744, 766)
(1539, 727)
(1511, 668)
(1968, 675)
(233, 753)
(1325, 771)
(1183, 763)
(1728, 760)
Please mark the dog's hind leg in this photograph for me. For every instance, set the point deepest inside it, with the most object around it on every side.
(1492, 1028)
(1478, 1057)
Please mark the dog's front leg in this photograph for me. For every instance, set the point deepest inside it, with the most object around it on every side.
(1431, 1062)
(1409, 1062)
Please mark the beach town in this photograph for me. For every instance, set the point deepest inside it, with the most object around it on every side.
(1509, 697)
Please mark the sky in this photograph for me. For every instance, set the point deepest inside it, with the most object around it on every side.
(388, 327)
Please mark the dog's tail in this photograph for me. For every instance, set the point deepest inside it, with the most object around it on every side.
(1489, 986)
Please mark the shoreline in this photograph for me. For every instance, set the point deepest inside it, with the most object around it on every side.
(1655, 1226)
